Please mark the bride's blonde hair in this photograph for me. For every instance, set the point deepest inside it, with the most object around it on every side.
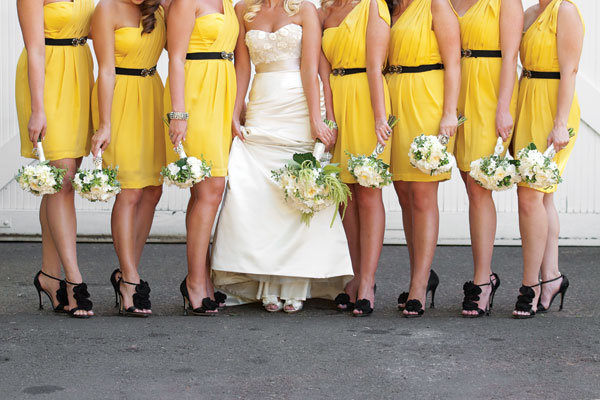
(291, 7)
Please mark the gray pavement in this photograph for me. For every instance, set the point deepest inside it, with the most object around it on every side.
(319, 353)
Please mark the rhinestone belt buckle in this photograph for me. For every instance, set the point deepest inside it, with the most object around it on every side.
(526, 73)
(227, 56)
(466, 53)
(148, 72)
(339, 72)
(79, 41)
(395, 69)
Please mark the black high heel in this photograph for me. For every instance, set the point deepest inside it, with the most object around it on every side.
(141, 300)
(343, 299)
(413, 306)
(82, 299)
(524, 302)
(61, 293)
(564, 285)
(472, 292)
(220, 299)
(207, 303)
(364, 305)
(115, 284)
(432, 284)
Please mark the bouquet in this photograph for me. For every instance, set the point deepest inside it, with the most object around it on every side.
(429, 153)
(370, 171)
(309, 187)
(538, 170)
(495, 172)
(185, 172)
(97, 184)
(42, 178)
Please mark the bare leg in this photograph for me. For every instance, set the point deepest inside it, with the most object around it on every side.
(50, 258)
(351, 224)
(403, 193)
(549, 267)
(425, 234)
(144, 218)
(372, 228)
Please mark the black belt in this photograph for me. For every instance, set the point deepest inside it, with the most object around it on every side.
(216, 55)
(540, 75)
(400, 69)
(66, 42)
(468, 53)
(136, 72)
(347, 71)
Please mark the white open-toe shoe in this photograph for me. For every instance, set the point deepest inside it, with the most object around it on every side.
(295, 304)
(272, 301)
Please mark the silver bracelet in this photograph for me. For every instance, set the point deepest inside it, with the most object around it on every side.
(183, 116)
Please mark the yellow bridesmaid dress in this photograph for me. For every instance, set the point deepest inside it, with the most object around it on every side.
(536, 108)
(69, 78)
(417, 98)
(210, 89)
(345, 47)
(137, 143)
(480, 84)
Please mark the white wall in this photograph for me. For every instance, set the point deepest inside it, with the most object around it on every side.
(578, 198)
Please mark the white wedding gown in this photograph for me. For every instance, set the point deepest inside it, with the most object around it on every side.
(261, 247)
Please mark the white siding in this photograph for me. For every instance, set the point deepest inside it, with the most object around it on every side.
(578, 198)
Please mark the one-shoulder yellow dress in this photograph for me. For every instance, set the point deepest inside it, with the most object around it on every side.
(69, 78)
(210, 89)
(480, 84)
(417, 98)
(345, 47)
(536, 108)
(137, 143)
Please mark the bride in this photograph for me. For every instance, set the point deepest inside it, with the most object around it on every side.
(262, 251)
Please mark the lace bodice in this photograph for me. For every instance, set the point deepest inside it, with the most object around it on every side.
(267, 47)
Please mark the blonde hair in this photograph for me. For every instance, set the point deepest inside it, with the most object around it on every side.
(291, 7)
(328, 3)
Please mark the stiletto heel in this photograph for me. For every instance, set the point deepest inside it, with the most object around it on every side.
(61, 293)
(494, 287)
(115, 284)
(564, 285)
(524, 302)
(432, 284)
(472, 293)
(141, 300)
(82, 299)
(207, 303)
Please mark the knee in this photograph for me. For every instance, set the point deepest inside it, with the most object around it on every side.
(210, 192)
(402, 191)
(130, 197)
(152, 194)
(530, 201)
(476, 193)
(424, 197)
(368, 198)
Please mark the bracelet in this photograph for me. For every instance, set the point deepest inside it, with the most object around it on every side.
(183, 116)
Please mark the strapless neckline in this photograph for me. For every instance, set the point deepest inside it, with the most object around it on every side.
(275, 31)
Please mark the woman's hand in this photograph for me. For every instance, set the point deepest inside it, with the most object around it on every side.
(100, 140)
(236, 130)
(320, 130)
(382, 130)
(448, 125)
(177, 131)
(37, 126)
(504, 124)
(559, 137)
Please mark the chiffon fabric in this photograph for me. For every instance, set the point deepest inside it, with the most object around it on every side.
(69, 77)
(538, 98)
(210, 89)
(137, 143)
(345, 46)
(480, 84)
(261, 249)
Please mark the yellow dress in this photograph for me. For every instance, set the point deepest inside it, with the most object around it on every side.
(137, 143)
(345, 47)
(480, 84)
(536, 108)
(417, 98)
(210, 89)
(69, 78)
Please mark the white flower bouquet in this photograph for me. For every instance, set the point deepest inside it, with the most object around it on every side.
(185, 172)
(42, 178)
(97, 184)
(538, 170)
(429, 154)
(370, 171)
(496, 172)
(309, 187)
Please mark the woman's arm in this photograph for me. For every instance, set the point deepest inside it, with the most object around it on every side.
(104, 47)
(378, 37)
(511, 31)
(569, 42)
(180, 23)
(242, 72)
(447, 32)
(309, 70)
(31, 19)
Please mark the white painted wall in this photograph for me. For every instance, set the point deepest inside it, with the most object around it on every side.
(578, 198)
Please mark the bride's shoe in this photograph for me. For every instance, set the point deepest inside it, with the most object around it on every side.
(292, 306)
(272, 303)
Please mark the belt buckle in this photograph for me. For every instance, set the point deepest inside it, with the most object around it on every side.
(82, 41)
(148, 72)
(227, 56)
(398, 69)
(526, 73)
(466, 53)
(78, 41)
(341, 71)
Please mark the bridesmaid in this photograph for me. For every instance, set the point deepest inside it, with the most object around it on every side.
(355, 41)
(53, 86)
(490, 35)
(426, 45)
(129, 37)
(202, 87)
(547, 107)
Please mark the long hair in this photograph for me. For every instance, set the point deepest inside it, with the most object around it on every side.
(291, 7)
(148, 8)
(328, 3)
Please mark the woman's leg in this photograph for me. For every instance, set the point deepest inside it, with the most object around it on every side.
(425, 229)
(549, 269)
(351, 224)
(371, 215)
(50, 258)
(403, 193)
(144, 218)
(533, 224)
